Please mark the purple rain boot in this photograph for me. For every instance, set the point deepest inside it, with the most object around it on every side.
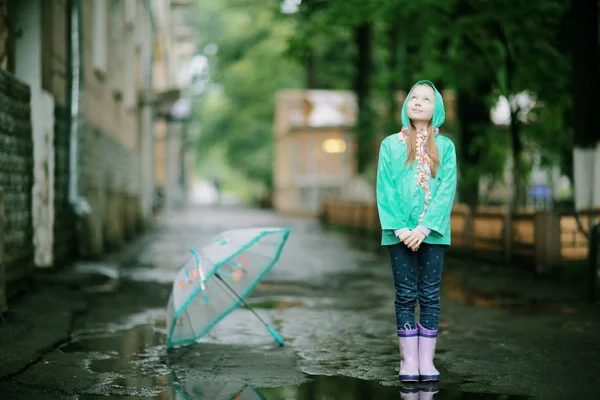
(408, 393)
(427, 340)
(409, 355)
(427, 393)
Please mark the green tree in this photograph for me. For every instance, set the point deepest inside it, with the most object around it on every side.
(247, 69)
(491, 50)
(585, 81)
(479, 49)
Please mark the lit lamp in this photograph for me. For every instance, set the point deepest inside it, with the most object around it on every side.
(334, 146)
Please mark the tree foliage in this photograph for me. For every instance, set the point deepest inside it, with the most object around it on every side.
(481, 49)
(247, 69)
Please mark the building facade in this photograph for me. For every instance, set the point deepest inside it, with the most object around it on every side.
(82, 83)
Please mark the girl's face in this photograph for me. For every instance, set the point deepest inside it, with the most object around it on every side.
(420, 104)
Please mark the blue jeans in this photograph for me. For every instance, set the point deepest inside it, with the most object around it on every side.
(417, 275)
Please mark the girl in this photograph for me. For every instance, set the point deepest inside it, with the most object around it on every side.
(416, 185)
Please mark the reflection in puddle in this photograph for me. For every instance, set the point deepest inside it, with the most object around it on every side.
(327, 388)
(454, 288)
(102, 397)
(333, 387)
(143, 347)
(122, 344)
(112, 354)
(217, 391)
(338, 387)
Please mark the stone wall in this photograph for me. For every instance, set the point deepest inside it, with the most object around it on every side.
(16, 175)
(110, 177)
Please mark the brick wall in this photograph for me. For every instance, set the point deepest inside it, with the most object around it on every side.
(16, 174)
(65, 237)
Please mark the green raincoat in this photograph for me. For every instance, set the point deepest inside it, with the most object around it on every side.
(400, 199)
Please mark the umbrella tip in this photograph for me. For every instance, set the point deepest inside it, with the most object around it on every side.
(275, 335)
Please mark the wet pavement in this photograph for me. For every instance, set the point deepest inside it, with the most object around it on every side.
(98, 331)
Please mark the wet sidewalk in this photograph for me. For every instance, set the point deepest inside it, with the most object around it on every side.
(98, 331)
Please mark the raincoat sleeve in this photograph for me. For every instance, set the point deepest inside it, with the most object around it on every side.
(438, 214)
(387, 196)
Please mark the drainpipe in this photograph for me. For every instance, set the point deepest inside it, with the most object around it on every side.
(80, 205)
(149, 4)
(149, 78)
(150, 61)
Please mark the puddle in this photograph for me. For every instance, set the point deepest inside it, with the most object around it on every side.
(118, 349)
(318, 388)
(141, 274)
(124, 343)
(339, 387)
(456, 289)
(102, 397)
(135, 363)
(102, 268)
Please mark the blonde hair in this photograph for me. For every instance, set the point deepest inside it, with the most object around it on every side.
(430, 148)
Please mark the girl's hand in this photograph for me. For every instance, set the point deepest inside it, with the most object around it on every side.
(414, 239)
(404, 235)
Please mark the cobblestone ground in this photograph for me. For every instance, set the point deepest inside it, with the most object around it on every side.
(98, 331)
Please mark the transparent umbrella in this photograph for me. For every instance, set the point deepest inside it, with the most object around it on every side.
(217, 279)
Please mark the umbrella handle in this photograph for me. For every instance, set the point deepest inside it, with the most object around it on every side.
(275, 335)
(271, 330)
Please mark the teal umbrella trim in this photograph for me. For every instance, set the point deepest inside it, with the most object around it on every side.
(286, 232)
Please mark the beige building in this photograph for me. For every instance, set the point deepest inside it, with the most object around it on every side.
(175, 47)
(82, 86)
(90, 60)
(314, 148)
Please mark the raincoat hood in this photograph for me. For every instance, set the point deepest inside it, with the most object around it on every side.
(439, 114)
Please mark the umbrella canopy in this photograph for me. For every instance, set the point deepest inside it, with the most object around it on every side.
(217, 278)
